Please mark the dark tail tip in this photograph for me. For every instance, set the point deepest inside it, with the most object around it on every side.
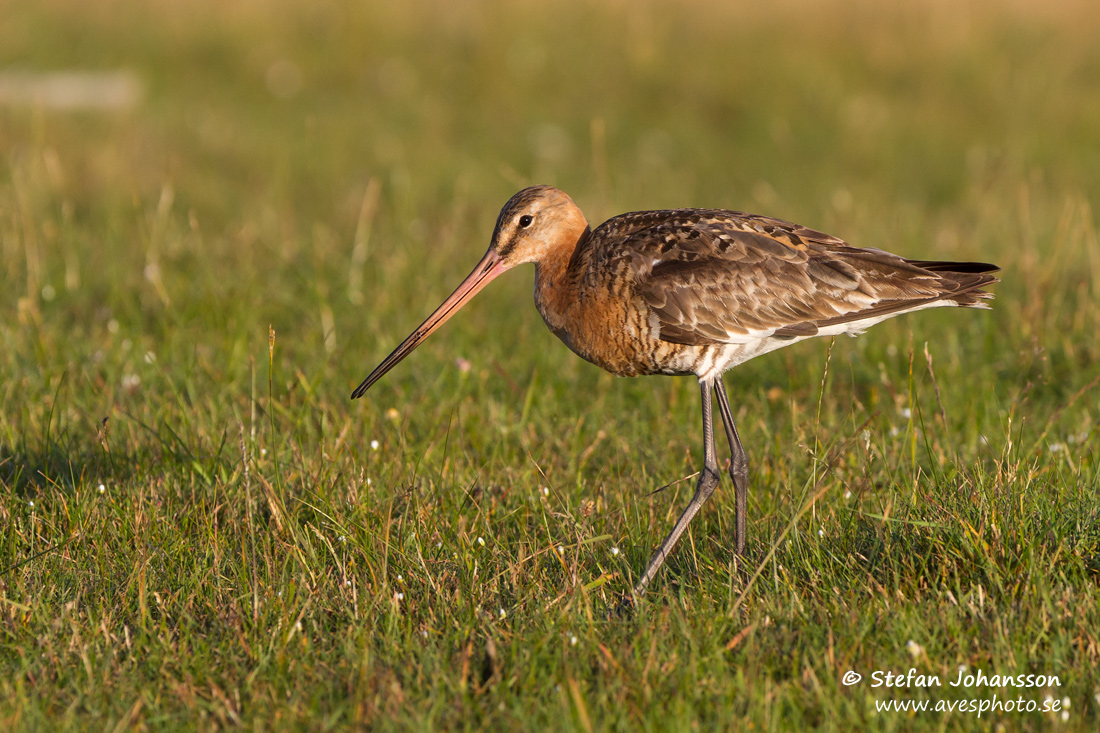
(970, 268)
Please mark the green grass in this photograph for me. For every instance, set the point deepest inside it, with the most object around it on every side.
(253, 560)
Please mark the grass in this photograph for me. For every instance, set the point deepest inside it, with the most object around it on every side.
(198, 529)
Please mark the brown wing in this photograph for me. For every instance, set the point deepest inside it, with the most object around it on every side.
(711, 276)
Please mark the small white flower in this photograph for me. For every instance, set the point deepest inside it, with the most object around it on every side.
(915, 649)
(279, 594)
(481, 542)
(48, 293)
(1057, 447)
(343, 539)
(614, 550)
(31, 503)
(905, 412)
(347, 583)
(298, 626)
(894, 431)
(439, 545)
(963, 668)
(1065, 715)
(112, 326)
(1048, 699)
(400, 579)
(263, 451)
(374, 445)
(820, 533)
(368, 481)
(101, 489)
(503, 614)
(1065, 702)
(424, 633)
(847, 494)
(572, 640)
(546, 491)
(400, 596)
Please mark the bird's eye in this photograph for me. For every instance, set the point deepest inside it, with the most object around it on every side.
(525, 220)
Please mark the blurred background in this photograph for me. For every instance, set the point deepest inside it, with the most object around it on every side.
(292, 160)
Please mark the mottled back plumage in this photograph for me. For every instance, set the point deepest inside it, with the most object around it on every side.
(712, 278)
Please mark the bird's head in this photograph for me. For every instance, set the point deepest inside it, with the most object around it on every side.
(535, 224)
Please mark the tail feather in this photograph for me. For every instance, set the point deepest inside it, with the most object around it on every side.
(967, 267)
(960, 283)
(963, 281)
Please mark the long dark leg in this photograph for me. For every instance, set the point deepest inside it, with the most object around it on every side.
(708, 481)
(739, 469)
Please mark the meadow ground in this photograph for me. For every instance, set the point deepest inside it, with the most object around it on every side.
(199, 529)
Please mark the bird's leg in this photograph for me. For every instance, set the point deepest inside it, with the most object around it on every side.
(708, 481)
(739, 469)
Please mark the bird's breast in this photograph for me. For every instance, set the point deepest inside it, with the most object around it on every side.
(611, 327)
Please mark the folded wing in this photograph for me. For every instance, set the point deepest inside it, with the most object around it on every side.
(713, 277)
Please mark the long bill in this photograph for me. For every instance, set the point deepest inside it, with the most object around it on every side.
(490, 266)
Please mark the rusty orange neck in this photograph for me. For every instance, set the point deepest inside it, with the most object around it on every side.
(551, 269)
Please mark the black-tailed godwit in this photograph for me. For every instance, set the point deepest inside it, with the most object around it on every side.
(696, 291)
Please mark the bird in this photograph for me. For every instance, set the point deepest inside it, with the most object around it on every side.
(695, 292)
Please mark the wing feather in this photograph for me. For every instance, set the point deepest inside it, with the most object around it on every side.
(712, 276)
